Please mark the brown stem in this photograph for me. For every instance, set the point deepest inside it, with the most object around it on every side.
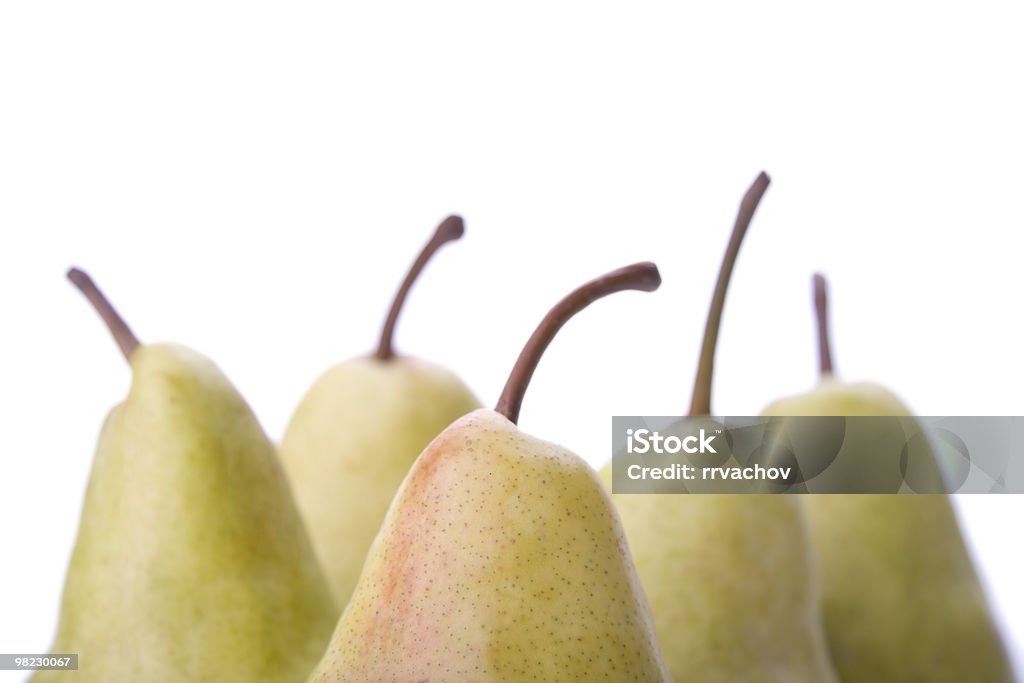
(123, 334)
(640, 276)
(700, 404)
(450, 229)
(821, 313)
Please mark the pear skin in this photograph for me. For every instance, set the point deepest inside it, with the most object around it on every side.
(731, 583)
(901, 596)
(501, 559)
(191, 561)
(350, 444)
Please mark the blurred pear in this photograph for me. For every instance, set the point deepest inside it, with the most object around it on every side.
(729, 576)
(902, 599)
(357, 431)
(191, 562)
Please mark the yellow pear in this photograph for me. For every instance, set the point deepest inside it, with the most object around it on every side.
(191, 562)
(501, 557)
(729, 576)
(384, 404)
(902, 600)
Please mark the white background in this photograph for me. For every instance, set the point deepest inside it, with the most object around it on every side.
(252, 179)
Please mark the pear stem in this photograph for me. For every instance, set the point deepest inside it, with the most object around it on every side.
(821, 314)
(700, 404)
(123, 335)
(639, 276)
(449, 230)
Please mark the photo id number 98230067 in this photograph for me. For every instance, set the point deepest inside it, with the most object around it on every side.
(29, 662)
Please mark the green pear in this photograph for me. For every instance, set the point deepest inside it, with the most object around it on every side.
(729, 576)
(191, 562)
(384, 404)
(501, 557)
(902, 600)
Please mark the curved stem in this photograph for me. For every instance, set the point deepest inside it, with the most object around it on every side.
(821, 314)
(700, 404)
(450, 229)
(123, 334)
(640, 276)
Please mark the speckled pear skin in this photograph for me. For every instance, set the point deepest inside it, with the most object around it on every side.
(500, 559)
(901, 597)
(191, 562)
(350, 443)
(731, 584)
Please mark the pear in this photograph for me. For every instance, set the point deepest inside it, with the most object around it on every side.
(901, 597)
(191, 562)
(385, 404)
(501, 557)
(729, 576)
